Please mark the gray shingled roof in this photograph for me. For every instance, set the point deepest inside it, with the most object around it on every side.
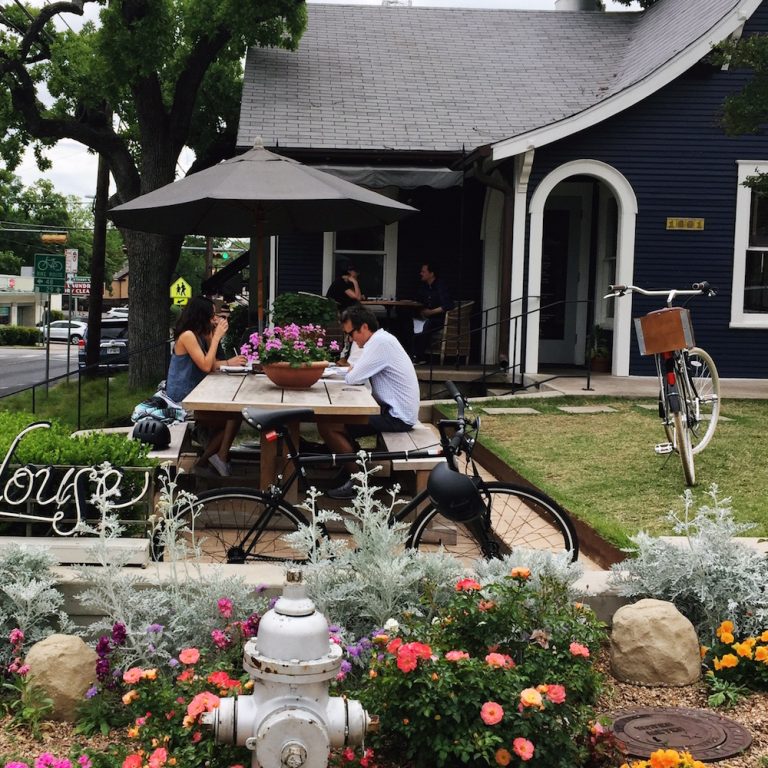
(427, 79)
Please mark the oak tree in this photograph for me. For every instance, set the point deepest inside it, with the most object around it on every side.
(151, 77)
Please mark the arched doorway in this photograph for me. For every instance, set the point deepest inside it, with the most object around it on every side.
(582, 233)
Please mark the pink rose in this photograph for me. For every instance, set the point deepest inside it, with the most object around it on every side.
(577, 649)
(189, 656)
(491, 713)
(523, 748)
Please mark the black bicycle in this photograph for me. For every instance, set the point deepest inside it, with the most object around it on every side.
(459, 511)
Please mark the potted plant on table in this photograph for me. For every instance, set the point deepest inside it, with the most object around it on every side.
(292, 356)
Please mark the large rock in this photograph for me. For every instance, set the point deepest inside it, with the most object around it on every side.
(652, 643)
(64, 668)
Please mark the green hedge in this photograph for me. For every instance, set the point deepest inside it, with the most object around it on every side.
(56, 446)
(19, 335)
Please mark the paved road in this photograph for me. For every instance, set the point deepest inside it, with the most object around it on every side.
(21, 367)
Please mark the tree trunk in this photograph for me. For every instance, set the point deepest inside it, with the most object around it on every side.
(151, 259)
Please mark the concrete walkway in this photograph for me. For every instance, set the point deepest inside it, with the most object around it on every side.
(635, 386)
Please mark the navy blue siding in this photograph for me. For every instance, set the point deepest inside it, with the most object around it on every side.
(300, 264)
(680, 162)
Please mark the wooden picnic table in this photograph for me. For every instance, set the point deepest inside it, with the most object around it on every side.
(331, 398)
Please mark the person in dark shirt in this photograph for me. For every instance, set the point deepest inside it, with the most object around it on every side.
(345, 289)
(436, 301)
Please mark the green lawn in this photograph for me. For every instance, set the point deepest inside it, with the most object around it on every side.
(602, 467)
(105, 402)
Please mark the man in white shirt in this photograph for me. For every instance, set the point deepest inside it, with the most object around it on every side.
(394, 385)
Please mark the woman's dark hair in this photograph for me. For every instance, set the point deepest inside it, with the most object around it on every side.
(196, 317)
(357, 314)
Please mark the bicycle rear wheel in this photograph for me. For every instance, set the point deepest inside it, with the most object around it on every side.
(238, 525)
(519, 518)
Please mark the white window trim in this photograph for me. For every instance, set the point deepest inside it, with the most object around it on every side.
(390, 259)
(739, 318)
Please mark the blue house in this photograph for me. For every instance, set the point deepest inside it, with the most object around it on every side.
(551, 153)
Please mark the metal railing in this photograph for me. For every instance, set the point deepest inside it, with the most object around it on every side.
(480, 326)
(104, 371)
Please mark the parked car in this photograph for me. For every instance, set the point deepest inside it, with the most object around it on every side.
(65, 330)
(114, 343)
(118, 312)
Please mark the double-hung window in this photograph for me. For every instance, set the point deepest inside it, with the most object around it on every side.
(749, 303)
(373, 251)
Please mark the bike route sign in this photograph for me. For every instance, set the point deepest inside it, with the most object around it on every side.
(49, 272)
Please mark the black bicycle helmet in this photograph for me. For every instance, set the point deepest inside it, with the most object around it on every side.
(153, 432)
(455, 495)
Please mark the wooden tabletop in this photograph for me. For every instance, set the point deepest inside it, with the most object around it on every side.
(233, 392)
(392, 303)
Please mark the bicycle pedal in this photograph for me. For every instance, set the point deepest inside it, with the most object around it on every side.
(662, 449)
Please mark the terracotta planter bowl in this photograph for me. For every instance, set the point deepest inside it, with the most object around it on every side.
(282, 375)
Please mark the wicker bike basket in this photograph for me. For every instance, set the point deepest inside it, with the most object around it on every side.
(664, 331)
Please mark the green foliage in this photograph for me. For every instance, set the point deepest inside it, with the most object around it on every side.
(362, 587)
(238, 324)
(736, 663)
(10, 264)
(514, 648)
(713, 577)
(19, 335)
(303, 309)
(104, 402)
(599, 343)
(723, 694)
(56, 446)
(27, 705)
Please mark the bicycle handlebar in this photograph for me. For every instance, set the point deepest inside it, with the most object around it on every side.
(701, 288)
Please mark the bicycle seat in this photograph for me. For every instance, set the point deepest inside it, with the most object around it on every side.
(265, 419)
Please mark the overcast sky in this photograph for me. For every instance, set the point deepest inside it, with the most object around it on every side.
(74, 168)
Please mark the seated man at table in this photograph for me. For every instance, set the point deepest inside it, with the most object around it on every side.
(433, 295)
(394, 385)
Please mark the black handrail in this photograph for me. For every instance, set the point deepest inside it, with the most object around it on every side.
(513, 367)
(105, 368)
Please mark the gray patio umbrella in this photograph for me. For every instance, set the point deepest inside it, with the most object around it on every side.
(256, 194)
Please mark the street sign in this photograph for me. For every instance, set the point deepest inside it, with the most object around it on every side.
(79, 286)
(181, 290)
(70, 256)
(49, 272)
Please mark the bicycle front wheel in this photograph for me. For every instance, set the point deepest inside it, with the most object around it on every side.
(238, 525)
(702, 397)
(517, 517)
(682, 443)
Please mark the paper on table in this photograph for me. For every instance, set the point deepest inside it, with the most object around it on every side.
(234, 369)
(333, 370)
(418, 324)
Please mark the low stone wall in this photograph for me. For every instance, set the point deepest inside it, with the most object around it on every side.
(592, 587)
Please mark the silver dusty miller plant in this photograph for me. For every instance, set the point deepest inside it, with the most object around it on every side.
(29, 599)
(162, 613)
(715, 577)
(369, 577)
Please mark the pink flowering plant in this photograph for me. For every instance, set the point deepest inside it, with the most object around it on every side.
(158, 708)
(503, 676)
(295, 344)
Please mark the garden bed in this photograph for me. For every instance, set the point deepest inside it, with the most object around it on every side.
(752, 713)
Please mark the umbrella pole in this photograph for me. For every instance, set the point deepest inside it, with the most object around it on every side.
(259, 271)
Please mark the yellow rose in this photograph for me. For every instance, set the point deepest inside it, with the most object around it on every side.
(727, 638)
(761, 653)
(726, 626)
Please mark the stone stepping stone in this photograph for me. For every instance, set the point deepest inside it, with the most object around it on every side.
(587, 409)
(511, 411)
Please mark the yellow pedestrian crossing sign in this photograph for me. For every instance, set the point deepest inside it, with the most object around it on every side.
(181, 290)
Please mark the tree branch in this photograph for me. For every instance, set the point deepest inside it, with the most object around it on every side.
(92, 132)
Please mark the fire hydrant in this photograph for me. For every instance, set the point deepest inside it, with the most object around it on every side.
(290, 720)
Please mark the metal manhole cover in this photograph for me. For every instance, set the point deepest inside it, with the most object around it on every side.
(705, 735)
